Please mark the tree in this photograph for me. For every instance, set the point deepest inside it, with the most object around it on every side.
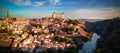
(74, 22)
(72, 49)
(61, 39)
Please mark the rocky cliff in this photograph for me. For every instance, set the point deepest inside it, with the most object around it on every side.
(97, 26)
(109, 41)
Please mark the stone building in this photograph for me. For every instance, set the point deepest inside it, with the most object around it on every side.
(58, 15)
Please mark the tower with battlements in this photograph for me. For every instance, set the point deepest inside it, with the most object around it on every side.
(58, 15)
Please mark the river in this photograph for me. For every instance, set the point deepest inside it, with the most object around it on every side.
(90, 45)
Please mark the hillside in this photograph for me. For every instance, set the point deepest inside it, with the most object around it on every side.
(44, 34)
(109, 41)
(97, 26)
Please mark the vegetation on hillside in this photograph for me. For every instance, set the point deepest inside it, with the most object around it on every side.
(109, 42)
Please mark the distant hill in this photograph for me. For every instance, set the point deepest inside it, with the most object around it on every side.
(90, 20)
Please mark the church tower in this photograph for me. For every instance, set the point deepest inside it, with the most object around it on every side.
(7, 15)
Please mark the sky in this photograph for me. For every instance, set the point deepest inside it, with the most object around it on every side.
(74, 9)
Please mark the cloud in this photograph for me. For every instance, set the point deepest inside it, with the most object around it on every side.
(97, 13)
(21, 2)
(54, 2)
(38, 4)
(33, 2)
(27, 2)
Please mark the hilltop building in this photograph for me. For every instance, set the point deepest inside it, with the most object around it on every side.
(58, 15)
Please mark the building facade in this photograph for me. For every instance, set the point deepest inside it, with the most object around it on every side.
(58, 15)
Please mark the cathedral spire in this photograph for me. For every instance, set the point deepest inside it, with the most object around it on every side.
(7, 14)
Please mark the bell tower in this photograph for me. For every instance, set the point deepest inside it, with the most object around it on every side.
(7, 15)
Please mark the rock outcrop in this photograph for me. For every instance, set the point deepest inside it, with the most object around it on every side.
(109, 41)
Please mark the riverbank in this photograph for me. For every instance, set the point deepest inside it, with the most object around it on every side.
(90, 45)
